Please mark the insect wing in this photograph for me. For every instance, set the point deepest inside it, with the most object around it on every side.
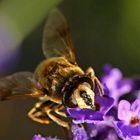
(57, 38)
(18, 85)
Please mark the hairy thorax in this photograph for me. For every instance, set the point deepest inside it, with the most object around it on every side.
(53, 73)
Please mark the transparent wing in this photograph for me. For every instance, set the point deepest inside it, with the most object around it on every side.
(18, 85)
(57, 38)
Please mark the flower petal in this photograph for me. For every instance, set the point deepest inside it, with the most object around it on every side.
(124, 110)
(101, 131)
(105, 103)
(78, 132)
(91, 129)
(117, 84)
(112, 78)
(136, 83)
(135, 108)
(127, 130)
(84, 115)
(39, 137)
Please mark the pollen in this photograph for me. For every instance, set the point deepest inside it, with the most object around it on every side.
(134, 120)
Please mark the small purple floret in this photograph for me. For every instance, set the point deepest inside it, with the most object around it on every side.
(117, 84)
(105, 103)
(128, 125)
(78, 132)
(39, 137)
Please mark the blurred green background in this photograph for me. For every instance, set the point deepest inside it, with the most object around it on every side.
(103, 32)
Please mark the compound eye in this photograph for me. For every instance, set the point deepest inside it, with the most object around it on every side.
(83, 94)
(87, 99)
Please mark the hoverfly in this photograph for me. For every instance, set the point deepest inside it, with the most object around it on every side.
(58, 81)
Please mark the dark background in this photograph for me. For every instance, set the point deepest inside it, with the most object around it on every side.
(103, 32)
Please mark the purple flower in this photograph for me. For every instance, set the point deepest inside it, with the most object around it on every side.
(84, 115)
(39, 137)
(78, 132)
(128, 125)
(9, 61)
(111, 135)
(106, 133)
(9, 39)
(117, 84)
(108, 122)
(102, 129)
(102, 104)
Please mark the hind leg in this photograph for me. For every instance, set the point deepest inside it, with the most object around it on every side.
(38, 114)
(57, 109)
(45, 112)
(60, 110)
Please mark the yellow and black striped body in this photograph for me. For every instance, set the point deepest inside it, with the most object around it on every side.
(53, 73)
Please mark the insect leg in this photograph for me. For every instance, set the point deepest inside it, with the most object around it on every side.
(60, 110)
(56, 119)
(99, 85)
(38, 113)
(43, 112)
(91, 73)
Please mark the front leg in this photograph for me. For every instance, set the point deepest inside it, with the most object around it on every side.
(91, 74)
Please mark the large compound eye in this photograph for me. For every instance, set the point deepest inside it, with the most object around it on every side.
(87, 99)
